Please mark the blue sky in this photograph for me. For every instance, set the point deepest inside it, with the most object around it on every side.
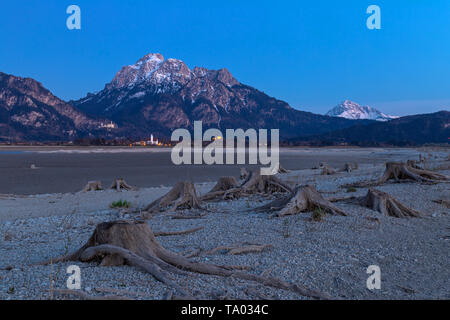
(312, 54)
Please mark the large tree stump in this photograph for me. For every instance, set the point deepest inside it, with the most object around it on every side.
(256, 183)
(93, 186)
(120, 184)
(181, 196)
(302, 199)
(387, 205)
(402, 172)
(133, 243)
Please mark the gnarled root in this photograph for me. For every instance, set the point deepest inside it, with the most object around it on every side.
(387, 205)
(302, 199)
(400, 171)
(133, 243)
(120, 184)
(181, 196)
(224, 184)
(93, 186)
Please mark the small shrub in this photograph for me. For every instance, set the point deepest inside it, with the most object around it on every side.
(351, 189)
(318, 214)
(11, 290)
(120, 204)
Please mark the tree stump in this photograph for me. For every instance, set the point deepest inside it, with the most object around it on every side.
(327, 170)
(389, 206)
(302, 199)
(224, 184)
(401, 172)
(93, 186)
(244, 174)
(120, 184)
(257, 184)
(133, 243)
(181, 196)
(349, 167)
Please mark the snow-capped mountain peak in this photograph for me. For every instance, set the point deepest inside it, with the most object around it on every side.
(352, 110)
(142, 70)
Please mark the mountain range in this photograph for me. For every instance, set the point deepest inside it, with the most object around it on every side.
(351, 110)
(156, 96)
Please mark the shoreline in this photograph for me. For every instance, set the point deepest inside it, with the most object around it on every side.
(39, 171)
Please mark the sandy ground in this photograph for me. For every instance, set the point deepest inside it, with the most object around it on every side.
(331, 255)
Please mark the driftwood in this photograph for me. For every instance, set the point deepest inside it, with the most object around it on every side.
(176, 233)
(120, 184)
(133, 243)
(387, 205)
(240, 249)
(400, 171)
(181, 196)
(93, 186)
(302, 199)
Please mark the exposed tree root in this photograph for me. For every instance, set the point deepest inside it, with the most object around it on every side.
(120, 184)
(400, 171)
(387, 205)
(133, 243)
(176, 233)
(415, 164)
(181, 196)
(224, 184)
(183, 216)
(241, 249)
(302, 199)
(445, 203)
(93, 186)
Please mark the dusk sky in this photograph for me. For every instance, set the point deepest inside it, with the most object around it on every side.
(311, 54)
